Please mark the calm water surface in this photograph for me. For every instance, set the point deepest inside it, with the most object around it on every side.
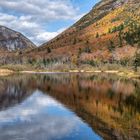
(69, 107)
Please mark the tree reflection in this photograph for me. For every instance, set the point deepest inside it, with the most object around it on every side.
(110, 105)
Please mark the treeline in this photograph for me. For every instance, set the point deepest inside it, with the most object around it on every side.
(128, 34)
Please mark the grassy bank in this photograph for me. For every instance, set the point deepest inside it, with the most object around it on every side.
(5, 72)
(127, 72)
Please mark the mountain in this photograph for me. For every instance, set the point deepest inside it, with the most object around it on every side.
(109, 33)
(11, 40)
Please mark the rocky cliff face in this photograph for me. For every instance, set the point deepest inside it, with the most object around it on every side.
(11, 40)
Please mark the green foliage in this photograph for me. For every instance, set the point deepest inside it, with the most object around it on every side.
(109, 30)
(97, 35)
(125, 62)
(90, 62)
(48, 50)
(136, 62)
(74, 41)
(129, 38)
(110, 93)
(111, 46)
(116, 29)
(87, 50)
(44, 62)
(30, 61)
(79, 52)
(115, 19)
(133, 35)
(120, 39)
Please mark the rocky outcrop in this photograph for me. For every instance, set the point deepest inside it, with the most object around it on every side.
(11, 40)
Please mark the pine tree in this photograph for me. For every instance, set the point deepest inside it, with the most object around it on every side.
(136, 61)
(97, 35)
(49, 50)
(120, 39)
(87, 50)
(74, 41)
(79, 52)
(111, 46)
(109, 30)
(44, 61)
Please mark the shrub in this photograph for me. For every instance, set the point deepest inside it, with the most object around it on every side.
(97, 35)
(132, 36)
(48, 50)
(120, 39)
(74, 41)
(136, 62)
(111, 46)
(87, 50)
(118, 28)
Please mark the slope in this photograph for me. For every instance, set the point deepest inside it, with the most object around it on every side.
(109, 33)
(11, 40)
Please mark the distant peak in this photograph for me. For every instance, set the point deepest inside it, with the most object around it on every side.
(12, 40)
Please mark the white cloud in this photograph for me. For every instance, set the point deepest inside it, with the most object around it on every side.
(47, 35)
(45, 9)
(33, 119)
(31, 16)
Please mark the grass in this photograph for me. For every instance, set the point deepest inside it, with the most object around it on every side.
(126, 72)
(5, 72)
(17, 67)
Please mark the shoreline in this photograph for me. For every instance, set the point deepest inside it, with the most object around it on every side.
(125, 74)
(6, 72)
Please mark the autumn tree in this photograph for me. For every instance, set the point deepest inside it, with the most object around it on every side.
(74, 60)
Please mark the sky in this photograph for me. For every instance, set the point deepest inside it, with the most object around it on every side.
(42, 20)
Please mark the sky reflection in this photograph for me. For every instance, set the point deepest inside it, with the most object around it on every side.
(40, 117)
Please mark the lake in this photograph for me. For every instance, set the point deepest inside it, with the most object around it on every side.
(69, 106)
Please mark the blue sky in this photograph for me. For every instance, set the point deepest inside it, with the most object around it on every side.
(41, 20)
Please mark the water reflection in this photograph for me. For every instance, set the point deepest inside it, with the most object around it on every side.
(40, 117)
(109, 106)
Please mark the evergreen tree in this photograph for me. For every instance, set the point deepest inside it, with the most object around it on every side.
(79, 52)
(120, 39)
(133, 35)
(136, 60)
(111, 46)
(74, 41)
(44, 61)
(48, 50)
(97, 35)
(109, 30)
(87, 50)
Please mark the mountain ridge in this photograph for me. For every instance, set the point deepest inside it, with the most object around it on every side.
(95, 34)
(108, 34)
(12, 40)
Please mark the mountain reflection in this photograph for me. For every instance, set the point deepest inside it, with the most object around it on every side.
(108, 104)
(35, 119)
(14, 90)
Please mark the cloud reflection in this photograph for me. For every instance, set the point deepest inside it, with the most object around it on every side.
(32, 117)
